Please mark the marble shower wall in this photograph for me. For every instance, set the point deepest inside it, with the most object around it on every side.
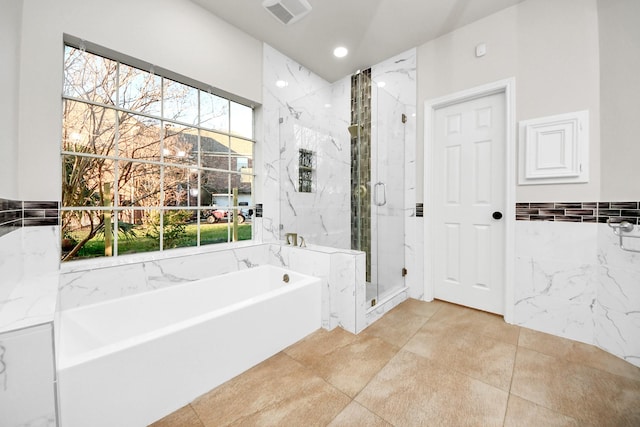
(315, 116)
(313, 123)
(284, 82)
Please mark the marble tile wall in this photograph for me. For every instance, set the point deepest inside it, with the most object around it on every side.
(83, 283)
(555, 273)
(321, 216)
(27, 377)
(11, 260)
(343, 280)
(572, 277)
(27, 230)
(29, 262)
(617, 308)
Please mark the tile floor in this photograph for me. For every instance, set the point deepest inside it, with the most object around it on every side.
(427, 364)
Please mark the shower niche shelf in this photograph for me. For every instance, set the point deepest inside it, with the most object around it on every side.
(305, 171)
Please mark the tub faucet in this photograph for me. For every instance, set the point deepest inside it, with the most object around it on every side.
(302, 243)
(291, 238)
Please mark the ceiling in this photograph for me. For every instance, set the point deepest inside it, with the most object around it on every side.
(372, 30)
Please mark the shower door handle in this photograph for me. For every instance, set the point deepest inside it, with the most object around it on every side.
(376, 192)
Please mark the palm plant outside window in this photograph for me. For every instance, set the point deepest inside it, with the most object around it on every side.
(149, 163)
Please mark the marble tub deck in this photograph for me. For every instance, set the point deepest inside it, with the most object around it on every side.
(427, 364)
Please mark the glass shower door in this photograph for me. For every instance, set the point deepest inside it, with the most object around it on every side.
(387, 193)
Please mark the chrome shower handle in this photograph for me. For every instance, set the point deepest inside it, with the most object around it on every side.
(384, 194)
(625, 226)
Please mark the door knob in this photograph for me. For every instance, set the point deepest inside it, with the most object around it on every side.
(497, 215)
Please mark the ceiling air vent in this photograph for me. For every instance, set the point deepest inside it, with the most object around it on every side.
(287, 11)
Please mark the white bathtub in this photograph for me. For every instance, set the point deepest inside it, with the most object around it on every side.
(131, 361)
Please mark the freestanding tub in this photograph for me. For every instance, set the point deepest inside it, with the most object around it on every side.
(131, 361)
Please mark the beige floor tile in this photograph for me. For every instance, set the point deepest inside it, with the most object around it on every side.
(264, 385)
(476, 355)
(522, 413)
(319, 344)
(577, 352)
(397, 326)
(410, 390)
(355, 415)
(351, 367)
(183, 417)
(477, 322)
(592, 396)
(421, 308)
(316, 405)
(427, 364)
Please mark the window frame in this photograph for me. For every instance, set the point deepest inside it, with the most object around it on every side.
(116, 208)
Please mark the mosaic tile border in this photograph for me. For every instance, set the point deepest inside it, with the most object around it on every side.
(15, 214)
(591, 212)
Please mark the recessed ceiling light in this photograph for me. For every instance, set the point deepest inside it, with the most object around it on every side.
(282, 83)
(340, 52)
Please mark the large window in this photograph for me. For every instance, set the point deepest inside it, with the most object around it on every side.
(149, 163)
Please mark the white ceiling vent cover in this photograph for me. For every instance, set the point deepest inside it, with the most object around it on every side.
(287, 11)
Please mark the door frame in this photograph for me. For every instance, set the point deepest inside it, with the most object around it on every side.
(506, 86)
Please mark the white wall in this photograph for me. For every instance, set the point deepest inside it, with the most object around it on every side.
(620, 91)
(173, 34)
(550, 47)
(10, 19)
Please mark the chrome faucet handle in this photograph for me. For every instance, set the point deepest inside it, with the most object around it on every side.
(292, 239)
(302, 243)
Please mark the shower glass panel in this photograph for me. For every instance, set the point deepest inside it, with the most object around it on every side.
(378, 186)
(387, 217)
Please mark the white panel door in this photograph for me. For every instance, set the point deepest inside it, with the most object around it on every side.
(468, 202)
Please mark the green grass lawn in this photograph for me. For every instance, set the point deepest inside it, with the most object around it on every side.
(209, 234)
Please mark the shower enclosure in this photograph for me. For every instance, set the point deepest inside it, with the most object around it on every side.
(377, 185)
(342, 176)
